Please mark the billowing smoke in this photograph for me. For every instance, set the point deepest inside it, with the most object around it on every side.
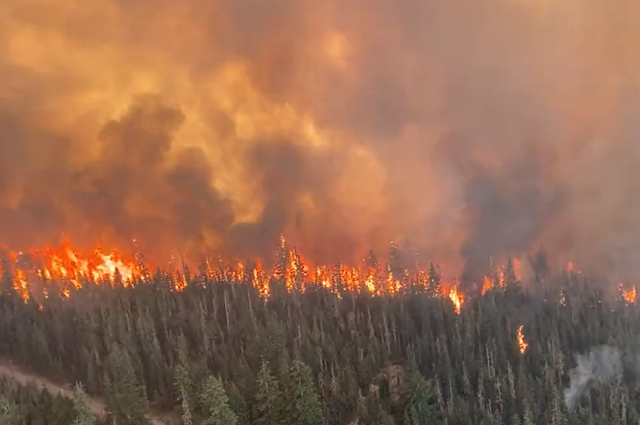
(603, 364)
(477, 129)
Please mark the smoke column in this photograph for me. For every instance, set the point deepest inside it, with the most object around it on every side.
(601, 365)
(476, 129)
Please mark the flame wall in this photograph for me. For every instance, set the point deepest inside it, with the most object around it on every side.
(473, 128)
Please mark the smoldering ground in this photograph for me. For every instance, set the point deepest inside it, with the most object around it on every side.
(477, 129)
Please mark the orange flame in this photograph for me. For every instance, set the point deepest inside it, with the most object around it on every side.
(521, 342)
(69, 268)
(260, 281)
(20, 285)
(67, 263)
(487, 285)
(457, 299)
(630, 295)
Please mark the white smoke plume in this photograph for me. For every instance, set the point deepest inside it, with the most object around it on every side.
(600, 365)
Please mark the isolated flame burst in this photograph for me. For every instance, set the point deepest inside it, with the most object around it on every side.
(521, 342)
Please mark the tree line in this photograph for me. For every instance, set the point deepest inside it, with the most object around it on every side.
(217, 352)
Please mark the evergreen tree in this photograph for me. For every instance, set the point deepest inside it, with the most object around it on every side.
(433, 281)
(82, 406)
(375, 414)
(396, 264)
(184, 386)
(303, 402)
(215, 402)
(125, 397)
(419, 400)
(269, 402)
(510, 278)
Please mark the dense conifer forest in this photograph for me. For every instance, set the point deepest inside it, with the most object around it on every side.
(555, 349)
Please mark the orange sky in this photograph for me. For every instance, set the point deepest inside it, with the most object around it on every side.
(471, 128)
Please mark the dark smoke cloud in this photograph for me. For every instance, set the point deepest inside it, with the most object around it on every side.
(477, 129)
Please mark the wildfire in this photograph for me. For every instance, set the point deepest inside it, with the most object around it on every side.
(69, 268)
(487, 285)
(521, 342)
(502, 276)
(630, 295)
(457, 299)
(69, 264)
(260, 281)
(20, 285)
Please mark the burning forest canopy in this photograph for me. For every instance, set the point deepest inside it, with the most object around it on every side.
(468, 129)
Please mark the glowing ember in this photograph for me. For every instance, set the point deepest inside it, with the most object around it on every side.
(521, 342)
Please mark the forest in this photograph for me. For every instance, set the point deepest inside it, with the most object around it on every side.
(196, 348)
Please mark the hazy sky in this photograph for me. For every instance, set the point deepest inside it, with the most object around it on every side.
(471, 127)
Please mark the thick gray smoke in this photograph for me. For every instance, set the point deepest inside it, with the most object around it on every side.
(601, 365)
(476, 128)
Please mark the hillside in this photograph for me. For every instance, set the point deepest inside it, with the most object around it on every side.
(220, 350)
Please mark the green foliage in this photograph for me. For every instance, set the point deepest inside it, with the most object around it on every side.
(303, 403)
(269, 402)
(375, 414)
(143, 348)
(27, 404)
(82, 405)
(419, 403)
(184, 387)
(125, 396)
(215, 402)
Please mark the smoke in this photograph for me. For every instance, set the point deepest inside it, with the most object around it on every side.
(601, 365)
(477, 129)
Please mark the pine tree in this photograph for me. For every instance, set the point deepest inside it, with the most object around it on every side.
(396, 264)
(419, 399)
(434, 281)
(215, 402)
(125, 397)
(268, 399)
(184, 386)
(82, 405)
(375, 413)
(282, 259)
(511, 282)
(303, 401)
(6, 278)
(336, 279)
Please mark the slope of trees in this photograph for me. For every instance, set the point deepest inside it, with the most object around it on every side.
(26, 404)
(221, 354)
